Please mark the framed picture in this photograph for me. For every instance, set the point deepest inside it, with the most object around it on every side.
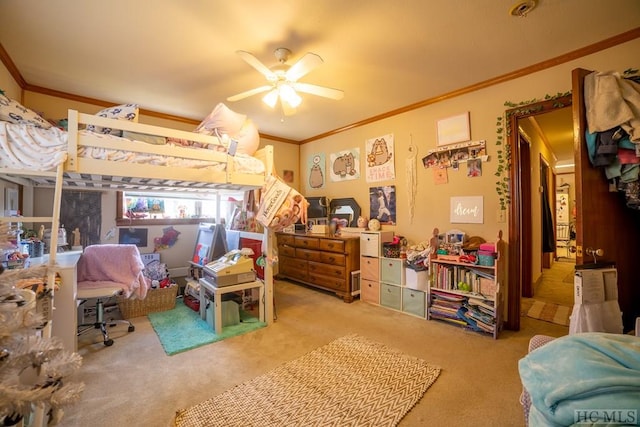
(11, 201)
(133, 236)
(467, 210)
(454, 129)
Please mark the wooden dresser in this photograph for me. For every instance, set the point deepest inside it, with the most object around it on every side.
(319, 260)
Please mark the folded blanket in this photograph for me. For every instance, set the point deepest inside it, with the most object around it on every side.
(580, 372)
(108, 265)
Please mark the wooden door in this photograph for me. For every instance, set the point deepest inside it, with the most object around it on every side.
(602, 219)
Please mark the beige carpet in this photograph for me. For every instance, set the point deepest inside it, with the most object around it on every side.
(350, 381)
(549, 312)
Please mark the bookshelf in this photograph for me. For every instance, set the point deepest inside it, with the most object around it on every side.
(467, 295)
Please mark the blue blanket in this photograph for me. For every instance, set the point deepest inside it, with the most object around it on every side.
(587, 371)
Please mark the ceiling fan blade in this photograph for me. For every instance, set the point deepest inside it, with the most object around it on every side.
(255, 63)
(249, 93)
(326, 92)
(304, 65)
(287, 109)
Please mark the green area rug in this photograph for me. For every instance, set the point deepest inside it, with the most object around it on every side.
(182, 329)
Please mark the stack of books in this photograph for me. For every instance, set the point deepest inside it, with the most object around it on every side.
(445, 306)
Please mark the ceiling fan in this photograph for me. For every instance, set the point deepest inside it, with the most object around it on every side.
(282, 80)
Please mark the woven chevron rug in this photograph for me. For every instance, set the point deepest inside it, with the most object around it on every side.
(351, 381)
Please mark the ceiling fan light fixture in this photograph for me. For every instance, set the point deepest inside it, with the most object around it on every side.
(289, 95)
(271, 98)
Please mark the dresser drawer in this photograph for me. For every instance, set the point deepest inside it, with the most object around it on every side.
(390, 296)
(392, 271)
(370, 291)
(333, 258)
(307, 254)
(286, 251)
(414, 302)
(307, 242)
(293, 268)
(332, 245)
(327, 269)
(331, 282)
(286, 263)
(370, 268)
(285, 239)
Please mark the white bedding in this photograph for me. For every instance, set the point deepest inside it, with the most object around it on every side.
(29, 147)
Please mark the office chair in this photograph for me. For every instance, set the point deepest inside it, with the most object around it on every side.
(106, 271)
(101, 295)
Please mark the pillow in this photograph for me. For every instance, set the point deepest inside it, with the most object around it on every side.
(223, 119)
(120, 112)
(13, 112)
(248, 138)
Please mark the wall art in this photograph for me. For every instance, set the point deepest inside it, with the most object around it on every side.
(380, 159)
(382, 201)
(445, 157)
(454, 129)
(344, 165)
(467, 210)
(316, 168)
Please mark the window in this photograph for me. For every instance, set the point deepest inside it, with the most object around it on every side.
(146, 208)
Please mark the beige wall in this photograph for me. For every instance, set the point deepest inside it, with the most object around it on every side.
(419, 126)
(8, 84)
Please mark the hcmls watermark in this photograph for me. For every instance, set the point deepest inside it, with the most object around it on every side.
(609, 416)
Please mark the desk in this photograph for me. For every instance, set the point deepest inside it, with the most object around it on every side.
(206, 285)
(65, 307)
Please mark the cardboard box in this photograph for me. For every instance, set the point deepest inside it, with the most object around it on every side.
(418, 280)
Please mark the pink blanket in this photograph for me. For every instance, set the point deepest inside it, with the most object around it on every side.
(113, 265)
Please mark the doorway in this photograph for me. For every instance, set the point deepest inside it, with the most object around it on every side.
(545, 140)
(528, 141)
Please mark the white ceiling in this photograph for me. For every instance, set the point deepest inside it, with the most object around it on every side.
(179, 57)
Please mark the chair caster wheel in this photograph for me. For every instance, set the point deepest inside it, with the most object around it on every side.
(108, 342)
(131, 328)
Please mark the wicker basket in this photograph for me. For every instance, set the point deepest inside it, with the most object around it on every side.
(161, 299)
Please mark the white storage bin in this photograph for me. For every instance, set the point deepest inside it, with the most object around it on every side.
(417, 279)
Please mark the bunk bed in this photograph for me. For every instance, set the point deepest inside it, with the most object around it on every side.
(79, 158)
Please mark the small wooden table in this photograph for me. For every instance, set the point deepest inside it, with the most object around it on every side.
(217, 292)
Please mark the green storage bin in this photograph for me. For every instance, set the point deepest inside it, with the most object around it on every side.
(390, 296)
(414, 302)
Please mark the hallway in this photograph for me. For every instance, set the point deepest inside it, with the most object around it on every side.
(553, 295)
(556, 283)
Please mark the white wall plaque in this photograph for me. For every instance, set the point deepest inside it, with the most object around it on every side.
(467, 210)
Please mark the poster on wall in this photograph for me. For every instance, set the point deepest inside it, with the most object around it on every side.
(345, 165)
(382, 202)
(380, 159)
(133, 236)
(467, 210)
(316, 168)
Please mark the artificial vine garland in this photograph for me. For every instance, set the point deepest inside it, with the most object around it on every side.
(504, 150)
